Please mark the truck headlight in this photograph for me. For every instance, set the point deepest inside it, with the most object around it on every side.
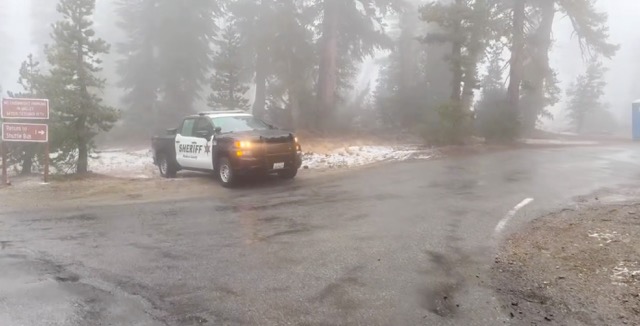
(243, 144)
(298, 147)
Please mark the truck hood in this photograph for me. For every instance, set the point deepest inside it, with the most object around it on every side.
(273, 135)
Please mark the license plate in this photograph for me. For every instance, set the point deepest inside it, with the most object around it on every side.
(278, 166)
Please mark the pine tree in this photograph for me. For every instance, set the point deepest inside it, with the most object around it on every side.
(43, 15)
(278, 49)
(467, 27)
(138, 68)
(400, 94)
(256, 23)
(31, 82)
(494, 78)
(292, 59)
(186, 29)
(350, 30)
(495, 120)
(517, 54)
(227, 86)
(539, 85)
(73, 86)
(166, 58)
(585, 94)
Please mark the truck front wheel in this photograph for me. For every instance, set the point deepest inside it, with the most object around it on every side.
(288, 174)
(225, 173)
(166, 167)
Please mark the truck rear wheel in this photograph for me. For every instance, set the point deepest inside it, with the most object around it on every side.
(166, 167)
(225, 173)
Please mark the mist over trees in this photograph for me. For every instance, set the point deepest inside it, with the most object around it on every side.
(586, 109)
(448, 70)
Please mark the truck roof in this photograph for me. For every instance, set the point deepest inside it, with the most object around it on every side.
(217, 114)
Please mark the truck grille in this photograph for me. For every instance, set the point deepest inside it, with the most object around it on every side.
(279, 148)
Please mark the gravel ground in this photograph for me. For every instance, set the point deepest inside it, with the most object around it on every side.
(575, 267)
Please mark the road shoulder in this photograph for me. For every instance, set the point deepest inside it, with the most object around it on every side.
(577, 266)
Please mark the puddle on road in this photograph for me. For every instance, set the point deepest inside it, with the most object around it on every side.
(615, 198)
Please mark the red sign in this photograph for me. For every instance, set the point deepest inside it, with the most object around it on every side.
(25, 108)
(25, 132)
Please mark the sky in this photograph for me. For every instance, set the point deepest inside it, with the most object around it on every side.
(622, 77)
(15, 13)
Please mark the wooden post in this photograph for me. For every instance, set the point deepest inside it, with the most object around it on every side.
(46, 162)
(5, 178)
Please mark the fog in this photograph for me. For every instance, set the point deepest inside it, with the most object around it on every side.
(624, 69)
(623, 82)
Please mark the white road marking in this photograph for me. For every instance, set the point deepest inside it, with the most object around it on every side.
(503, 222)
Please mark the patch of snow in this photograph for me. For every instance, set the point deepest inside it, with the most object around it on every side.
(626, 273)
(138, 164)
(119, 163)
(606, 237)
(355, 156)
(557, 142)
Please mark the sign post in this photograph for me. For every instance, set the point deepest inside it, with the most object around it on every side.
(5, 177)
(24, 109)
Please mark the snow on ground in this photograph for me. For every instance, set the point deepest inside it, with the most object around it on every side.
(139, 163)
(120, 163)
(557, 142)
(355, 156)
(626, 273)
(605, 236)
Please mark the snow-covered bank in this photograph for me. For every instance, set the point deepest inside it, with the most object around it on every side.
(356, 156)
(139, 163)
(120, 163)
(557, 142)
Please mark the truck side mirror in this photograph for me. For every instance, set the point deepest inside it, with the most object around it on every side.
(204, 134)
(217, 130)
(172, 131)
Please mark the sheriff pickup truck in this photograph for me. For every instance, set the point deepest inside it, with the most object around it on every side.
(229, 144)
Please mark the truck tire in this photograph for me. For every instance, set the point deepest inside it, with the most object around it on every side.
(288, 174)
(225, 173)
(166, 167)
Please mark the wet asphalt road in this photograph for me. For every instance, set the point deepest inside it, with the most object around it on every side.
(399, 244)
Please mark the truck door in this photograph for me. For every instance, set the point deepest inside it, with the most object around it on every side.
(185, 144)
(203, 132)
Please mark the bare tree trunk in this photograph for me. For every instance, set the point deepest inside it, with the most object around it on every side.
(259, 103)
(82, 165)
(328, 78)
(27, 159)
(456, 83)
(262, 62)
(517, 48)
(540, 72)
(83, 145)
(296, 114)
(456, 60)
(467, 90)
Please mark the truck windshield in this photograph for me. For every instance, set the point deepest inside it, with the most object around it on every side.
(239, 124)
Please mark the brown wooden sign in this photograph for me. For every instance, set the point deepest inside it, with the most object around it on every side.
(25, 132)
(25, 108)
